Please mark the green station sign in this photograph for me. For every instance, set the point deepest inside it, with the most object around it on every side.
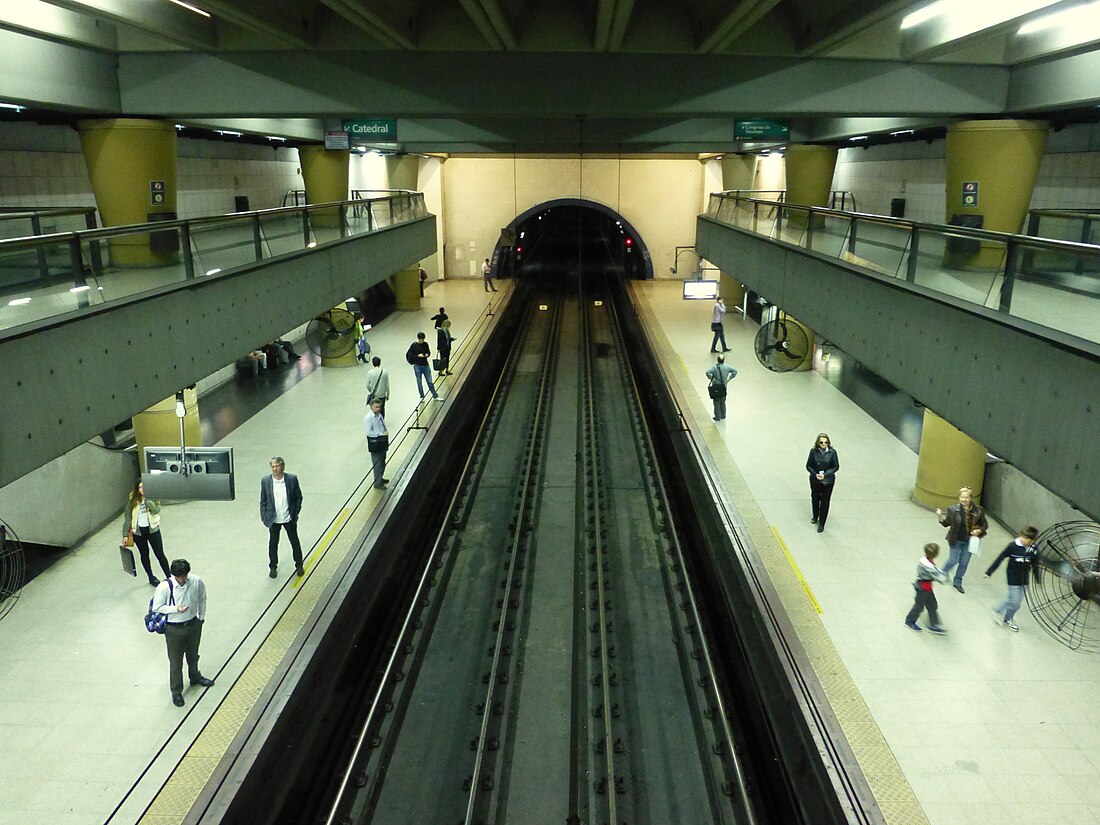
(761, 130)
(368, 131)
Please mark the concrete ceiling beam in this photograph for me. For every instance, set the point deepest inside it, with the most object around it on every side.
(166, 20)
(734, 24)
(374, 19)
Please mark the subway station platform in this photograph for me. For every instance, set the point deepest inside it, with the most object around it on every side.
(89, 731)
(980, 726)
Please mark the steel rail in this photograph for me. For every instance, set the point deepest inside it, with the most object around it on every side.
(706, 656)
(408, 623)
(525, 492)
(591, 448)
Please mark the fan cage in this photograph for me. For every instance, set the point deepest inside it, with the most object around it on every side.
(1064, 596)
(780, 345)
(12, 569)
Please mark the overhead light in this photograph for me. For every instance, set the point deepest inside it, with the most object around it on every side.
(214, 271)
(15, 107)
(229, 132)
(923, 15)
(179, 127)
(1084, 17)
(311, 244)
(858, 137)
(18, 302)
(275, 137)
(189, 7)
(902, 132)
(83, 288)
(974, 15)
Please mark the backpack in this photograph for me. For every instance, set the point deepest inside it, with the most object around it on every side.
(155, 622)
(410, 356)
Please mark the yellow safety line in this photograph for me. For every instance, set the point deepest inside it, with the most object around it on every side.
(797, 573)
(341, 517)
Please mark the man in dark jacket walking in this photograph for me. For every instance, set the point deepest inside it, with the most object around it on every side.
(280, 504)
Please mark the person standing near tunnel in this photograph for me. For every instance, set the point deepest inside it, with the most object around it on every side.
(716, 325)
(487, 276)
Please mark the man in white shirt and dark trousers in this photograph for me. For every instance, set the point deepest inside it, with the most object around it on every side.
(280, 504)
(182, 598)
(378, 442)
(717, 326)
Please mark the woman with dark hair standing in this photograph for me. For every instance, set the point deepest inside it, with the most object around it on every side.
(822, 465)
(443, 342)
(142, 520)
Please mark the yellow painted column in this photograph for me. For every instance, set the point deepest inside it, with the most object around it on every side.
(402, 171)
(948, 459)
(159, 426)
(738, 171)
(406, 288)
(132, 165)
(1000, 158)
(731, 290)
(325, 172)
(810, 174)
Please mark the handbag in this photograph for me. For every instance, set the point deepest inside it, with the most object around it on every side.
(155, 622)
(128, 563)
(437, 364)
(378, 443)
(716, 390)
(974, 546)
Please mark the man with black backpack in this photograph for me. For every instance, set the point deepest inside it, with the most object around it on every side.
(419, 356)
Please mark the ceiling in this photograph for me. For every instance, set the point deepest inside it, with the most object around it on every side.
(489, 75)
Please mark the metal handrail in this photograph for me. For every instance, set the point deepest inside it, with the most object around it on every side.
(104, 233)
(940, 228)
(11, 213)
(1066, 213)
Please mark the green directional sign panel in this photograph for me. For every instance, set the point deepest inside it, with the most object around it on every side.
(367, 131)
(761, 130)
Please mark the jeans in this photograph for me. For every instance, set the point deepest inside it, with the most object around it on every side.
(183, 641)
(959, 555)
(378, 464)
(143, 537)
(1012, 601)
(719, 335)
(819, 499)
(291, 528)
(925, 599)
(424, 372)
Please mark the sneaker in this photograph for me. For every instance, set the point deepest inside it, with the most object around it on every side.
(913, 626)
(939, 630)
(1011, 626)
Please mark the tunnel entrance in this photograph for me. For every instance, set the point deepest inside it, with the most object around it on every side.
(574, 235)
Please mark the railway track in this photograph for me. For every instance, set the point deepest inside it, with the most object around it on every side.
(554, 663)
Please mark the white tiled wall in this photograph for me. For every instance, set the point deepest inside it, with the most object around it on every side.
(43, 166)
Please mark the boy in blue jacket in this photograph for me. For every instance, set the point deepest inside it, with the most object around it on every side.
(1021, 560)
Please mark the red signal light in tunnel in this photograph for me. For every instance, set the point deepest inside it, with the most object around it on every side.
(630, 242)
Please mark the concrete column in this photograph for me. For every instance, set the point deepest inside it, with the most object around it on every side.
(159, 426)
(406, 288)
(325, 172)
(402, 171)
(126, 158)
(948, 459)
(980, 152)
(810, 174)
(738, 171)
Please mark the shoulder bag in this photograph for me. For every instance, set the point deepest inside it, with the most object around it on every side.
(155, 622)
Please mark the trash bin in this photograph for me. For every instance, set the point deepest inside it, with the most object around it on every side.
(897, 207)
(240, 203)
(166, 241)
(965, 246)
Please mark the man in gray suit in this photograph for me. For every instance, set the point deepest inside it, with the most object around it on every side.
(280, 504)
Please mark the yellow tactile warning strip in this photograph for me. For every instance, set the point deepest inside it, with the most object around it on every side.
(182, 788)
(892, 792)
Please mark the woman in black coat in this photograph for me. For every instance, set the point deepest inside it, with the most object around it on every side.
(443, 341)
(822, 465)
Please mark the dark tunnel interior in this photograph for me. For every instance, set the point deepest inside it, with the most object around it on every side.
(574, 239)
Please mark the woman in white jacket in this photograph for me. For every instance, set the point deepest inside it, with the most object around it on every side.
(142, 521)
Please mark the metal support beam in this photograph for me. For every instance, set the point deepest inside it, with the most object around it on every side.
(735, 23)
(262, 18)
(166, 20)
(60, 378)
(373, 18)
(479, 14)
(927, 344)
(612, 17)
